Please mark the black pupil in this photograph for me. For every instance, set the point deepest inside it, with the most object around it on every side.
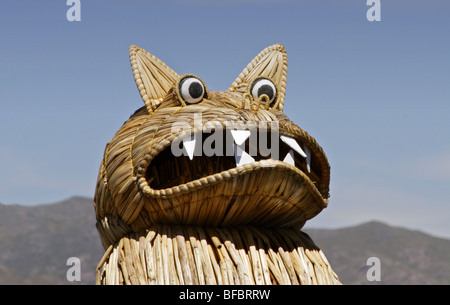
(266, 89)
(195, 90)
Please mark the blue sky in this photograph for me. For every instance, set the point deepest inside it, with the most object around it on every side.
(375, 95)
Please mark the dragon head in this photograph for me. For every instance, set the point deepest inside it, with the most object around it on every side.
(214, 158)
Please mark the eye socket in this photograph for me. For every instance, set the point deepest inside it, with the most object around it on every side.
(263, 86)
(191, 89)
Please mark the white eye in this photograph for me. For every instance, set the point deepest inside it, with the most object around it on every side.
(263, 86)
(191, 90)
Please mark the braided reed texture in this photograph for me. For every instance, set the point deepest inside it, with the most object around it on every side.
(193, 255)
(147, 195)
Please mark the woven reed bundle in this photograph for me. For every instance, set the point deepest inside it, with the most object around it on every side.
(154, 205)
(193, 255)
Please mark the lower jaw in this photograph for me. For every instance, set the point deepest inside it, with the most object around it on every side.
(266, 193)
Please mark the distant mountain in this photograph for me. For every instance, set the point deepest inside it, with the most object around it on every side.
(35, 243)
(406, 257)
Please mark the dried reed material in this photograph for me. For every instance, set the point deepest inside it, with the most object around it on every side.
(271, 63)
(247, 255)
(131, 179)
(210, 219)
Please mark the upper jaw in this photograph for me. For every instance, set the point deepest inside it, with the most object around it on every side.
(242, 151)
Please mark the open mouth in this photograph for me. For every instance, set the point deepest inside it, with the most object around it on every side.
(224, 176)
(204, 154)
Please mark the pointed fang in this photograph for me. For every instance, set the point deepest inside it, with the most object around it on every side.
(240, 136)
(308, 159)
(241, 156)
(289, 158)
(189, 145)
(293, 144)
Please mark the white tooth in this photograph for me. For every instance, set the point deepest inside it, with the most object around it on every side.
(241, 156)
(293, 144)
(240, 136)
(189, 145)
(308, 159)
(290, 158)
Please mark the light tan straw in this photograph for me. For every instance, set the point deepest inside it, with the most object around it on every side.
(205, 219)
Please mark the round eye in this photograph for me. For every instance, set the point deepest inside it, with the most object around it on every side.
(191, 90)
(263, 86)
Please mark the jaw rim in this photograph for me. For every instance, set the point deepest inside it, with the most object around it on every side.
(305, 172)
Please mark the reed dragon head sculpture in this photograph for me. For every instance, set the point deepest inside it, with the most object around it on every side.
(219, 159)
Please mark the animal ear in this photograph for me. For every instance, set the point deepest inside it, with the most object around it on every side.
(153, 77)
(270, 63)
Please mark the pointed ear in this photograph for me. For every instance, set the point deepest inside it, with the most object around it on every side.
(153, 77)
(270, 63)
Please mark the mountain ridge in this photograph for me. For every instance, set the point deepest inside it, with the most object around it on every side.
(37, 241)
(406, 256)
